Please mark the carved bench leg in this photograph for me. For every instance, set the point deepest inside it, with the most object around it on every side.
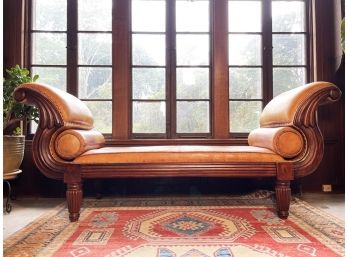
(74, 199)
(283, 196)
(285, 174)
(73, 193)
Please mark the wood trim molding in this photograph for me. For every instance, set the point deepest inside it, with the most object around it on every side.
(121, 78)
(220, 72)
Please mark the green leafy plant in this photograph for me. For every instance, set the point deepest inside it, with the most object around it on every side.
(17, 131)
(13, 112)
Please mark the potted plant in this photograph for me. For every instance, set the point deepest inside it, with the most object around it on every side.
(15, 118)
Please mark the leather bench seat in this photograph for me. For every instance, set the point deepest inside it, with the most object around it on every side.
(177, 154)
(287, 145)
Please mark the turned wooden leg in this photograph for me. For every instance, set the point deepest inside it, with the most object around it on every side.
(283, 197)
(72, 178)
(285, 174)
(74, 199)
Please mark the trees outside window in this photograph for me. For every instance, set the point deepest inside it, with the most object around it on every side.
(160, 58)
(245, 64)
(94, 59)
(289, 45)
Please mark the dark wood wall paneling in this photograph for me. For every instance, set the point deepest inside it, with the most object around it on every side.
(328, 66)
(13, 32)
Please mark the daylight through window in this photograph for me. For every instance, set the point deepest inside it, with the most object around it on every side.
(168, 86)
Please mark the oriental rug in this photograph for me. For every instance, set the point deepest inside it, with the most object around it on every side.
(243, 226)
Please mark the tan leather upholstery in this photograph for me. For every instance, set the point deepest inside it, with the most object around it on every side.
(282, 110)
(285, 141)
(71, 143)
(73, 111)
(177, 154)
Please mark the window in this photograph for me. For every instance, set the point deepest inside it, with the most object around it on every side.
(48, 41)
(94, 65)
(171, 69)
(192, 67)
(149, 67)
(245, 64)
(158, 76)
(289, 45)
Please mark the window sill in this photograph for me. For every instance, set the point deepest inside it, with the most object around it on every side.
(186, 141)
(178, 141)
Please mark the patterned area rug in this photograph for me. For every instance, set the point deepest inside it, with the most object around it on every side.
(244, 226)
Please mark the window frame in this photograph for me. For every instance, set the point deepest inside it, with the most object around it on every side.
(29, 41)
(266, 55)
(78, 65)
(219, 71)
(166, 99)
(308, 38)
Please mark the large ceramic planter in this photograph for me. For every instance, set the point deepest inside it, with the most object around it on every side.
(13, 155)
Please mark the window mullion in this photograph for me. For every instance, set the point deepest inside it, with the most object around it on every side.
(72, 78)
(28, 35)
(219, 81)
(121, 75)
(267, 81)
(171, 70)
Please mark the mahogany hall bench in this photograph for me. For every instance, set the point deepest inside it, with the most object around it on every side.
(287, 145)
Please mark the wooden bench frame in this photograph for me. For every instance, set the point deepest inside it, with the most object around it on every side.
(52, 123)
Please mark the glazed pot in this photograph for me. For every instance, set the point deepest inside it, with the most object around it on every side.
(13, 147)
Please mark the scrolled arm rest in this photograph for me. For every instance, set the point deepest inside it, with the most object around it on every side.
(297, 109)
(57, 108)
(72, 143)
(59, 112)
(298, 106)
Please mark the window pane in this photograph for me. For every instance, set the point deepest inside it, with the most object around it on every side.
(94, 49)
(245, 50)
(245, 83)
(192, 117)
(289, 50)
(285, 79)
(288, 16)
(49, 15)
(33, 127)
(244, 16)
(149, 117)
(192, 16)
(102, 114)
(244, 116)
(192, 83)
(49, 48)
(148, 49)
(192, 49)
(51, 76)
(148, 15)
(149, 83)
(94, 15)
(95, 83)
